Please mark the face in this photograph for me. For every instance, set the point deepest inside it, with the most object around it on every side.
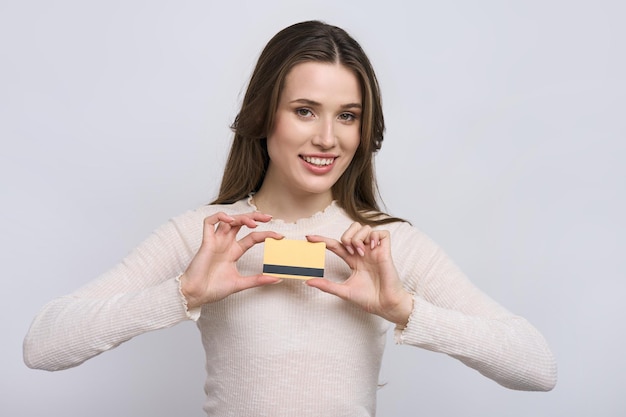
(316, 129)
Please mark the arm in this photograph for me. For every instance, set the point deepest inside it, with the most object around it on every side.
(451, 316)
(446, 312)
(138, 295)
(148, 290)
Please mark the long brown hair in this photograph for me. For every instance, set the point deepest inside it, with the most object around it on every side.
(356, 190)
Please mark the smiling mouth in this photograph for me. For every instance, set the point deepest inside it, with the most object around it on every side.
(321, 162)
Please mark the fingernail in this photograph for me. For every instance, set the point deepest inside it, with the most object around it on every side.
(372, 244)
(350, 250)
(360, 251)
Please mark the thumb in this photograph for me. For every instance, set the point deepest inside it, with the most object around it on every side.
(328, 287)
(252, 281)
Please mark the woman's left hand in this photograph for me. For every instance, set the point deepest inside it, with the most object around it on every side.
(374, 284)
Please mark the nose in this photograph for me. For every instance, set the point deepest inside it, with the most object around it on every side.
(325, 135)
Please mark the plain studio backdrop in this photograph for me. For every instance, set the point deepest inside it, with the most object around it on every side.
(506, 135)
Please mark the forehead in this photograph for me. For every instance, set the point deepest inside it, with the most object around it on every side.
(322, 82)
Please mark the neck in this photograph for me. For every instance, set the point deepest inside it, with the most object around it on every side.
(289, 207)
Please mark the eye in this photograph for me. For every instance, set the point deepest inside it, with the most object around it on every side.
(347, 117)
(304, 112)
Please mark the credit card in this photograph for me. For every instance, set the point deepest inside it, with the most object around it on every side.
(295, 259)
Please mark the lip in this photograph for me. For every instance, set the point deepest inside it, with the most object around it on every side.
(318, 169)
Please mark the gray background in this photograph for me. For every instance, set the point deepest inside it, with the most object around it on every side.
(505, 143)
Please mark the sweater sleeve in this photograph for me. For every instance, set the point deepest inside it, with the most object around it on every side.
(140, 294)
(451, 316)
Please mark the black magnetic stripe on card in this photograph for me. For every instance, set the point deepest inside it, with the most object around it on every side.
(293, 270)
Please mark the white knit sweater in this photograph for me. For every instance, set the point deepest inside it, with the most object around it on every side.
(289, 349)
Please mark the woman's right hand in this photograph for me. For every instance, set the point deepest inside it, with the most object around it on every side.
(212, 274)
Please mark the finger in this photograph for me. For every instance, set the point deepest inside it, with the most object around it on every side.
(251, 219)
(261, 217)
(210, 222)
(376, 238)
(329, 287)
(333, 245)
(234, 223)
(238, 221)
(383, 238)
(346, 237)
(215, 218)
(361, 238)
(228, 227)
(253, 281)
(253, 238)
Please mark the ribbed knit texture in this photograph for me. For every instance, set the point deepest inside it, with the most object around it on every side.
(288, 349)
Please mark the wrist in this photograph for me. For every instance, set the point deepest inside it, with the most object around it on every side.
(187, 291)
(404, 310)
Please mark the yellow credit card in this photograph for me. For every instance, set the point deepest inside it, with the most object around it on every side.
(297, 259)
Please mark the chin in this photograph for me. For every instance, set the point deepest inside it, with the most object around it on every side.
(317, 190)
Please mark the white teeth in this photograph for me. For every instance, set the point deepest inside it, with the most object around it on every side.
(318, 161)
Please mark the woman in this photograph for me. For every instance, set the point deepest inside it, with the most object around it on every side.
(300, 167)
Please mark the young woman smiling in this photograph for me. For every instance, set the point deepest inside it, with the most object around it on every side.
(300, 167)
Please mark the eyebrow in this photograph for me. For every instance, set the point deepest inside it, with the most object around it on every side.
(314, 103)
